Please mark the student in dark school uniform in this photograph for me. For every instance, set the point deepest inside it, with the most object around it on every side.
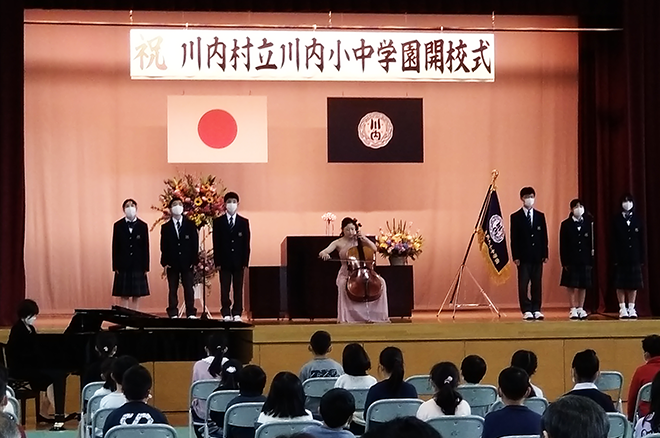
(576, 255)
(130, 256)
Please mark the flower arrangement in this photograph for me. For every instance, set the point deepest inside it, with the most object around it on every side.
(329, 218)
(399, 241)
(202, 198)
(205, 269)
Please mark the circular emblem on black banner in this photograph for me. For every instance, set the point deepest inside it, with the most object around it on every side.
(496, 228)
(375, 130)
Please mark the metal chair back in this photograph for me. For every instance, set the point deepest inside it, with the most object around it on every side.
(470, 426)
(382, 411)
(142, 431)
(479, 397)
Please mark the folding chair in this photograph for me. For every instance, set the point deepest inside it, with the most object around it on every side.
(142, 431)
(360, 396)
(422, 384)
(537, 404)
(92, 406)
(98, 421)
(619, 425)
(15, 405)
(611, 381)
(382, 411)
(87, 393)
(199, 390)
(470, 426)
(283, 428)
(644, 395)
(243, 415)
(314, 389)
(217, 402)
(479, 397)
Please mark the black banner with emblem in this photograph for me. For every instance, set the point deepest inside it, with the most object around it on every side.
(375, 130)
(492, 238)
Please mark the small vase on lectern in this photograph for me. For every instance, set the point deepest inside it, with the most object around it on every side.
(329, 220)
(398, 260)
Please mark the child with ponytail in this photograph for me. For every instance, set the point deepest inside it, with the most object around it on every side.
(446, 401)
(393, 386)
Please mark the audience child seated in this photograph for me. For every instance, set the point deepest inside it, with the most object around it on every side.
(403, 427)
(228, 382)
(320, 344)
(285, 401)
(251, 384)
(4, 392)
(644, 374)
(528, 361)
(446, 401)
(393, 386)
(337, 408)
(117, 398)
(585, 372)
(473, 369)
(105, 346)
(572, 416)
(651, 422)
(209, 368)
(106, 373)
(9, 428)
(136, 386)
(514, 418)
(356, 364)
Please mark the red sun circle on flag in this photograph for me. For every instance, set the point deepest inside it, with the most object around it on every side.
(217, 128)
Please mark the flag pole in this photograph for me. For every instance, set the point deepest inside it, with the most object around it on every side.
(454, 289)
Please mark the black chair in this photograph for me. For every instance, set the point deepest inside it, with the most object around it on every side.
(22, 390)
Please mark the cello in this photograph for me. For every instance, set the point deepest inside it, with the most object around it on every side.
(364, 284)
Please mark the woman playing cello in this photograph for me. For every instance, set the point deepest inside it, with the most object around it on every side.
(371, 308)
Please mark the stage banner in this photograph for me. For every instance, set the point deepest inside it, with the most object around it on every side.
(375, 130)
(300, 55)
(492, 240)
(217, 129)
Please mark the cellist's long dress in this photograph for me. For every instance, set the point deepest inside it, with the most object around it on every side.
(353, 311)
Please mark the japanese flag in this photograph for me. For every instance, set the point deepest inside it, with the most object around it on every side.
(217, 129)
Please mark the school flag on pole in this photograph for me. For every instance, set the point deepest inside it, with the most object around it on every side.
(492, 240)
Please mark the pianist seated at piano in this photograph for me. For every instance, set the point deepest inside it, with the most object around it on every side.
(25, 362)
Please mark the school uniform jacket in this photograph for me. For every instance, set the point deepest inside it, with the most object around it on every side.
(231, 247)
(130, 250)
(529, 245)
(575, 245)
(182, 251)
(627, 241)
(21, 350)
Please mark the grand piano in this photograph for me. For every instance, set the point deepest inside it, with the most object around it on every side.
(146, 337)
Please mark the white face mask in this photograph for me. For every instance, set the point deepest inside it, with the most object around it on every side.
(528, 202)
(578, 212)
(231, 207)
(130, 212)
(30, 320)
(177, 210)
(627, 205)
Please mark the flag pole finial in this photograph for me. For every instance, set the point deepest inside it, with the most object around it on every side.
(494, 174)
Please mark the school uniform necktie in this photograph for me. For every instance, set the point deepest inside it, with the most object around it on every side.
(178, 227)
(529, 218)
(231, 223)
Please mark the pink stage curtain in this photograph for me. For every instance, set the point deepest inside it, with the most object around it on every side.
(93, 137)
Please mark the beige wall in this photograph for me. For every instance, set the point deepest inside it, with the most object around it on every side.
(94, 137)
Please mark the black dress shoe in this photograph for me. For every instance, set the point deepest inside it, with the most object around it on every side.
(58, 426)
